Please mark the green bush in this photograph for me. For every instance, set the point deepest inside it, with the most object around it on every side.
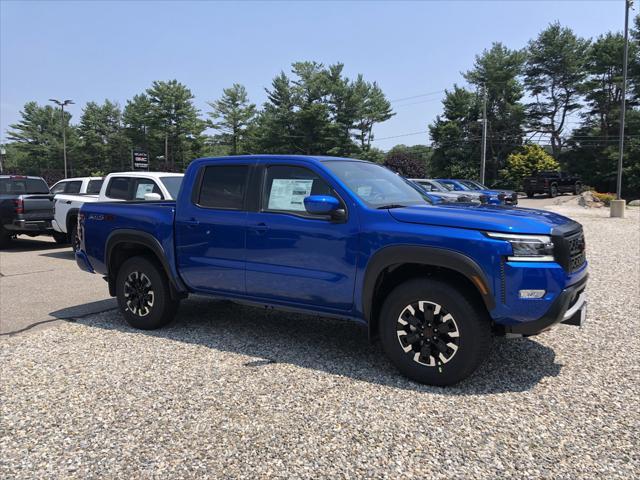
(605, 197)
(528, 161)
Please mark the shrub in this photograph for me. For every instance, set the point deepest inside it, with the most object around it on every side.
(605, 197)
(528, 161)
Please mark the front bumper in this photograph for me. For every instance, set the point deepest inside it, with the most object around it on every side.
(569, 308)
(18, 226)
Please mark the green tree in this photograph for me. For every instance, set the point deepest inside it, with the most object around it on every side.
(174, 122)
(554, 72)
(497, 70)
(526, 162)
(38, 138)
(405, 164)
(319, 111)
(137, 121)
(232, 115)
(456, 135)
(372, 108)
(103, 145)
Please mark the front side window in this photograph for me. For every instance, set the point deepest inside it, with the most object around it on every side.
(58, 187)
(142, 186)
(224, 187)
(119, 188)
(376, 185)
(93, 187)
(286, 187)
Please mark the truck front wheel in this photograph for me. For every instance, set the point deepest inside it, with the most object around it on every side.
(144, 295)
(432, 333)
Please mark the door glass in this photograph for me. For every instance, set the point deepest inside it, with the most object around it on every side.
(286, 187)
(223, 187)
(94, 186)
(59, 187)
(73, 187)
(144, 186)
(119, 188)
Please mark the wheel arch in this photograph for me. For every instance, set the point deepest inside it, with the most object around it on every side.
(393, 265)
(124, 244)
(72, 217)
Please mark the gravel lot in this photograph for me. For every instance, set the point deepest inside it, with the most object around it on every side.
(230, 391)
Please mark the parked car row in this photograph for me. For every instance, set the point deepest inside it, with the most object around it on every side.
(464, 191)
(29, 207)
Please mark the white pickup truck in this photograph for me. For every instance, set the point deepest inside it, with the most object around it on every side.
(116, 187)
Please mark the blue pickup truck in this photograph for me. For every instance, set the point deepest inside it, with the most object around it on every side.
(348, 239)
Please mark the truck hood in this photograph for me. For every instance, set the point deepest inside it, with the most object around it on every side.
(493, 218)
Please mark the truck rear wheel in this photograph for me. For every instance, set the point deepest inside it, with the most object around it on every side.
(432, 333)
(60, 238)
(144, 295)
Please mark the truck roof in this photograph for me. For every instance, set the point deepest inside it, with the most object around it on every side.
(307, 158)
(146, 174)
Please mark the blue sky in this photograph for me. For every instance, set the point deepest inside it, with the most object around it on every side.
(97, 50)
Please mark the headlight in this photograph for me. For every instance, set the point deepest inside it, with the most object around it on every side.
(527, 248)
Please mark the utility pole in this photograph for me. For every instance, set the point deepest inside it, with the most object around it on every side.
(483, 161)
(623, 101)
(62, 104)
(618, 205)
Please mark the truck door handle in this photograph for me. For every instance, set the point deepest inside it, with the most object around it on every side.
(192, 222)
(260, 228)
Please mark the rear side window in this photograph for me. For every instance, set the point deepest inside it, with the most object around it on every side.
(94, 186)
(119, 188)
(224, 187)
(73, 187)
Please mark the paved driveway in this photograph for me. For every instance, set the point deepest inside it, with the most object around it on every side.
(40, 283)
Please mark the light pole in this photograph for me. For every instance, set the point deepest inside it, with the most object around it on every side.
(618, 205)
(483, 160)
(62, 104)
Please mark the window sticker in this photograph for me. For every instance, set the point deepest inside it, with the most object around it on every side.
(364, 190)
(289, 194)
(144, 188)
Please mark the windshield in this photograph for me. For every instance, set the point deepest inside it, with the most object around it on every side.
(23, 185)
(450, 185)
(375, 185)
(173, 185)
(473, 185)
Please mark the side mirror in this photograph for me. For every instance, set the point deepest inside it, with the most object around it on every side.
(152, 196)
(324, 205)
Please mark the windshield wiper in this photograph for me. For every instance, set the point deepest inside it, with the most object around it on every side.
(391, 205)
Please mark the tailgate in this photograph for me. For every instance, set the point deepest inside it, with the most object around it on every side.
(37, 207)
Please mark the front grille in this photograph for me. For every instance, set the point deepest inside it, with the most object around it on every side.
(570, 250)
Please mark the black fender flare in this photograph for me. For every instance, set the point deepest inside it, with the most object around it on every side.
(118, 237)
(428, 256)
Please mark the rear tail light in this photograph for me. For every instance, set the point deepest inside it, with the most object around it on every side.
(18, 206)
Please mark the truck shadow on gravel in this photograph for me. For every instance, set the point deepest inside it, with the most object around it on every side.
(332, 346)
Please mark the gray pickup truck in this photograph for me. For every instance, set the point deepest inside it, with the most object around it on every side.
(26, 207)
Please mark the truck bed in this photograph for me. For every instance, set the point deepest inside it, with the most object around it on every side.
(100, 220)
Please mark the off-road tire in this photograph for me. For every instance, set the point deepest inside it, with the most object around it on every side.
(150, 310)
(470, 319)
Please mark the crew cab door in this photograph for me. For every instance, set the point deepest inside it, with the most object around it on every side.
(210, 230)
(296, 257)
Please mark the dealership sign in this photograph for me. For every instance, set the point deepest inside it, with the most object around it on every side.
(140, 160)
